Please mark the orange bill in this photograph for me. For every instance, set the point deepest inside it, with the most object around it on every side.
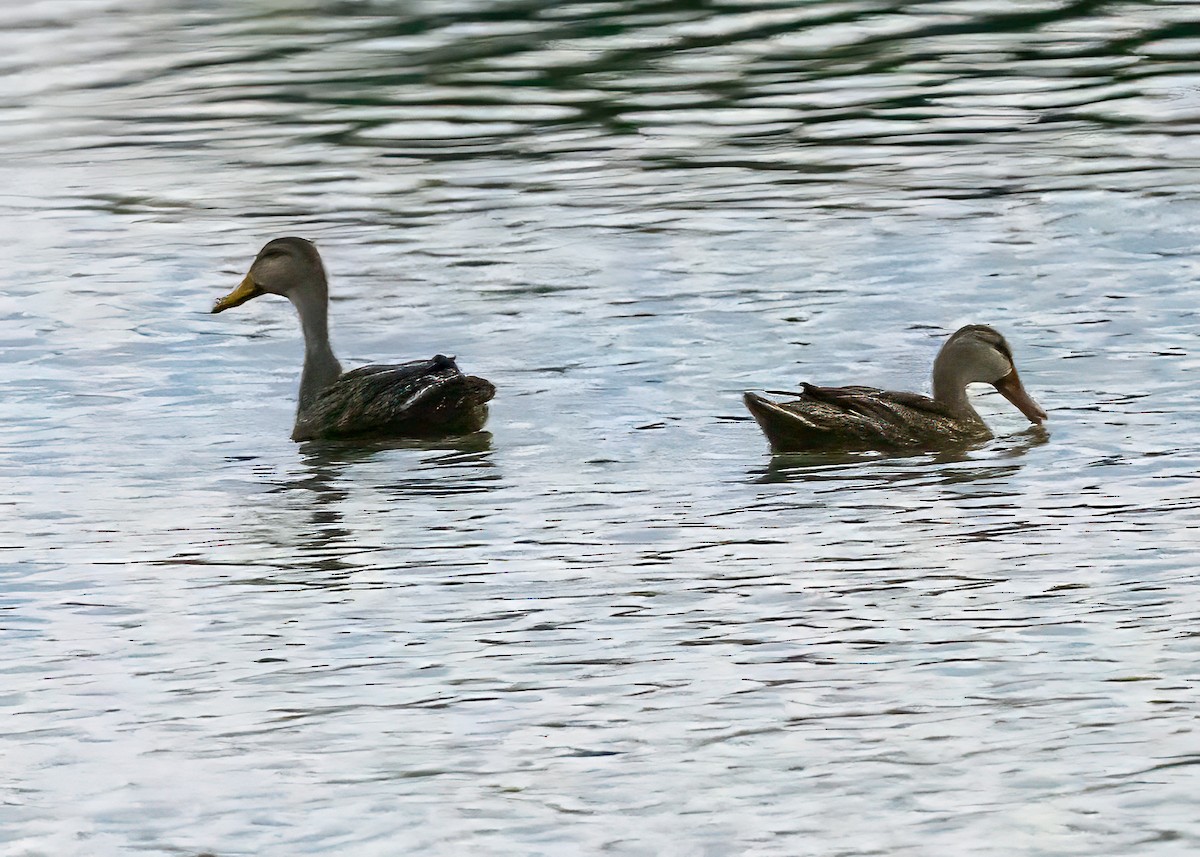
(1011, 388)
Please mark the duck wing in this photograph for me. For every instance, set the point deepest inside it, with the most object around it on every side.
(873, 402)
(856, 418)
(420, 398)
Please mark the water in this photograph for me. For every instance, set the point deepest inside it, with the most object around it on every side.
(615, 624)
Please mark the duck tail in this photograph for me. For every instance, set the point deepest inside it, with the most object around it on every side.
(787, 431)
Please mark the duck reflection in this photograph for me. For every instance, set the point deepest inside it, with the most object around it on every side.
(461, 449)
(828, 466)
(340, 500)
(458, 465)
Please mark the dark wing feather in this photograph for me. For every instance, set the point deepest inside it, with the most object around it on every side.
(871, 401)
(415, 399)
(857, 418)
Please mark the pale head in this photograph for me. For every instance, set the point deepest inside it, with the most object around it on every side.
(284, 266)
(978, 354)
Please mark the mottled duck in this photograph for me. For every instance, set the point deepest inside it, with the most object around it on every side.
(423, 398)
(864, 418)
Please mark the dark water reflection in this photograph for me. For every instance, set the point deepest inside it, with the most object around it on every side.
(614, 624)
(799, 466)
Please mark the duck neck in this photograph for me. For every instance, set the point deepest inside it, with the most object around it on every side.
(321, 367)
(950, 389)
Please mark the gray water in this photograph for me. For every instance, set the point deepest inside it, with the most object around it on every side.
(613, 625)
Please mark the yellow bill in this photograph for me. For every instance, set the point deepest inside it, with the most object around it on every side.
(246, 290)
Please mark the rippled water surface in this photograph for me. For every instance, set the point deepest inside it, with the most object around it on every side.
(614, 624)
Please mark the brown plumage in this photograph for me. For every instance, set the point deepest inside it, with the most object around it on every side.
(858, 418)
(422, 398)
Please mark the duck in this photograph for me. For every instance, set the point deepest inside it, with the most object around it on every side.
(866, 418)
(417, 399)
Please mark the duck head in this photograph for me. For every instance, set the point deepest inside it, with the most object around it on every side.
(290, 267)
(979, 354)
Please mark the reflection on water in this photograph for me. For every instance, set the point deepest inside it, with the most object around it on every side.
(936, 464)
(614, 623)
(453, 465)
(311, 512)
